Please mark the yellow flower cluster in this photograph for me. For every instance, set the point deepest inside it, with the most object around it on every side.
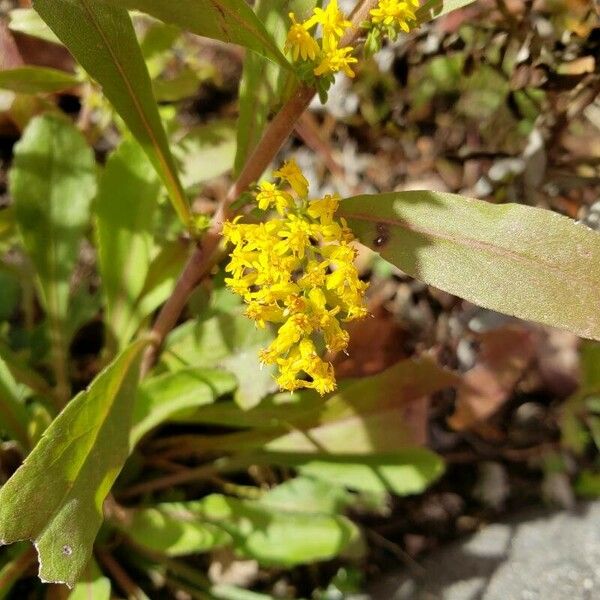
(397, 14)
(297, 270)
(325, 54)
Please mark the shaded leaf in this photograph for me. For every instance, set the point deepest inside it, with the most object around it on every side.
(52, 181)
(127, 196)
(522, 261)
(102, 39)
(14, 418)
(273, 537)
(227, 20)
(55, 498)
(35, 80)
(175, 395)
(174, 529)
(226, 340)
(93, 585)
(206, 151)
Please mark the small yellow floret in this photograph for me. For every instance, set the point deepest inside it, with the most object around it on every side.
(336, 59)
(395, 13)
(299, 41)
(270, 196)
(291, 173)
(332, 20)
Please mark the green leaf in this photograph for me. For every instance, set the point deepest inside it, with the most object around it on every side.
(206, 151)
(227, 20)
(36, 80)
(306, 494)
(10, 296)
(14, 418)
(434, 9)
(174, 529)
(362, 417)
(403, 472)
(102, 39)
(173, 396)
(263, 83)
(522, 261)
(273, 537)
(52, 182)
(55, 498)
(128, 194)
(93, 585)
(226, 340)
(26, 20)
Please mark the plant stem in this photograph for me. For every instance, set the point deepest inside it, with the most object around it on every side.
(275, 135)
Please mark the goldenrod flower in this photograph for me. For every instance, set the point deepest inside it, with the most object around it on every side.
(297, 271)
(332, 20)
(270, 195)
(299, 41)
(336, 59)
(395, 13)
(291, 173)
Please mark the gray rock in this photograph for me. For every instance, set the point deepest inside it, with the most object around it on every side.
(539, 556)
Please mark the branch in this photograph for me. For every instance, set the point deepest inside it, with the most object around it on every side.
(275, 135)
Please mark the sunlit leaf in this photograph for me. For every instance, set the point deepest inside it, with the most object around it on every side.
(53, 181)
(227, 20)
(522, 261)
(101, 37)
(26, 20)
(434, 9)
(176, 395)
(124, 209)
(403, 472)
(55, 498)
(226, 340)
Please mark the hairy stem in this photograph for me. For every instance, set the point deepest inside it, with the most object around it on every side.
(275, 135)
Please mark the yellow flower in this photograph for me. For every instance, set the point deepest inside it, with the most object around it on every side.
(395, 13)
(291, 173)
(336, 59)
(324, 208)
(297, 271)
(299, 42)
(270, 195)
(332, 20)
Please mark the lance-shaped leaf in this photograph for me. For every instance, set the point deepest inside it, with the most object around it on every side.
(36, 80)
(270, 535)
(434, 9)
(53, 181)
(227, 20)
(55, 498)
(13, 414)
(127, 196)
(102, 39)
(175, 395)
(522, 261)
(363, 416)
